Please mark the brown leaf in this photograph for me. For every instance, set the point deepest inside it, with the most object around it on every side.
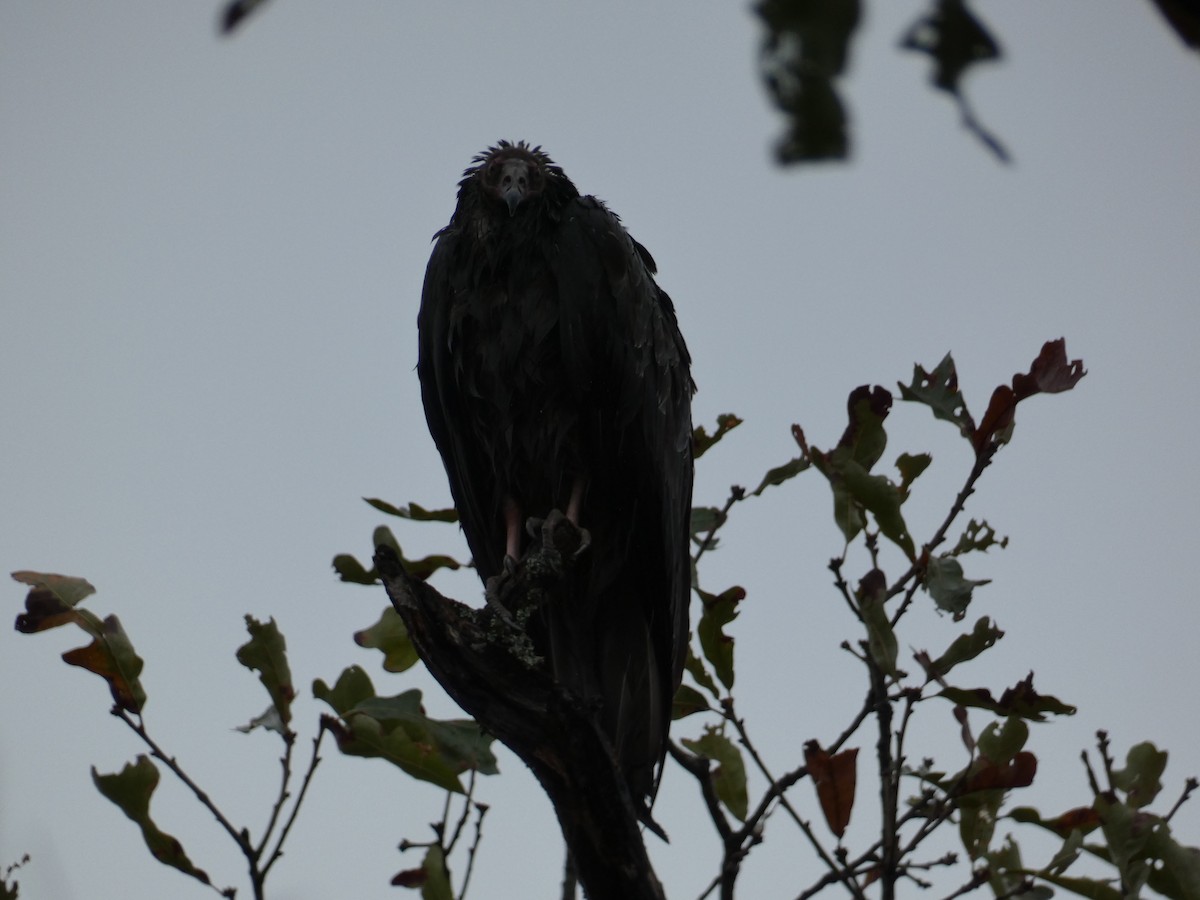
(1050, 373)
(410, 878)
(987, 775)
(835, 778)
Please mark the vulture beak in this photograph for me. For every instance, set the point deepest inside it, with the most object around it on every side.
(514, 184)
(512, 198)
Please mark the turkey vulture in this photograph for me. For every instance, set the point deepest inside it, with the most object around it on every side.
(554, 377)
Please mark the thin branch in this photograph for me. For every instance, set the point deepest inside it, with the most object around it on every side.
(285, 763)
(1190, 785)
(888, 787)
(481, 809)
(736, 495)
(978, 880)
(698, 767)
(458, 827)
(241, 838)
(313, 762)
(158, 753)
(843, 875)
(982, 461)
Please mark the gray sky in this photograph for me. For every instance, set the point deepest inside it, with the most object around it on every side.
(210, 260)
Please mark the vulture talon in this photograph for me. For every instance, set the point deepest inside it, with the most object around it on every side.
(585, 541)
(536, 528)
(495, 588)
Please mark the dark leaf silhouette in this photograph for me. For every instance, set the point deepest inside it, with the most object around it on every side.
(131, 790)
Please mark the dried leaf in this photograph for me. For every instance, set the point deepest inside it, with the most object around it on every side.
(702, 441)
(835, 778)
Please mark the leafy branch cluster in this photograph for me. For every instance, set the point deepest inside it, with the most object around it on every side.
(916, 798)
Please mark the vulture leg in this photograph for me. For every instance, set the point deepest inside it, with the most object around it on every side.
(576, 501)
(573, 508)
(512, 530)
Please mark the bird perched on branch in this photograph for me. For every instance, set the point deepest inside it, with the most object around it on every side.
(554, 377)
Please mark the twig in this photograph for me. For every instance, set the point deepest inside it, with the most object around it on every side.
(1190, 785)
(982, 461)
(888, 787)
(698, 768)
(978, 880)
(313, 762)
(736, 495)
(843, 874)
(285, 762)
(482, 809)
(465, 813)
(158, 753)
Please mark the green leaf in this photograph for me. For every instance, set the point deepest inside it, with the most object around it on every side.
(351, 571)
(687, 701)
(977, 536)
(1178, 876)
(939, 391)
(266, 653)
(390, 636)
(946, 585)
(966, 647)
(425, 566)
(910, 467)
(1005, 870)
(1140, 779)
(270, 720)
(437, 879)
(1020, 700)
(729, 777)
(780, 474)
(881, 640)
(718, 611)
(695, 667)
(414, 511)
(1084, 887)
(882, 499)
(864, 437)
(1128, 834)
(705, 519)
(977, 820)
(131, 790)
(1000, 742)
(397, 730)
(702, 441)
(351, 688)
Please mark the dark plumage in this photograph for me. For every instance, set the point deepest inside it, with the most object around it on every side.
(554, 376)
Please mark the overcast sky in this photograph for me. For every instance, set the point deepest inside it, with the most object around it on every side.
(211, 254)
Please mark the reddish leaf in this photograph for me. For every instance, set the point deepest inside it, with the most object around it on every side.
(111, 656)
(986, 775)
(411, 878)
(1050, 373)
(835, 778)
(998, 421)
(702, 440)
